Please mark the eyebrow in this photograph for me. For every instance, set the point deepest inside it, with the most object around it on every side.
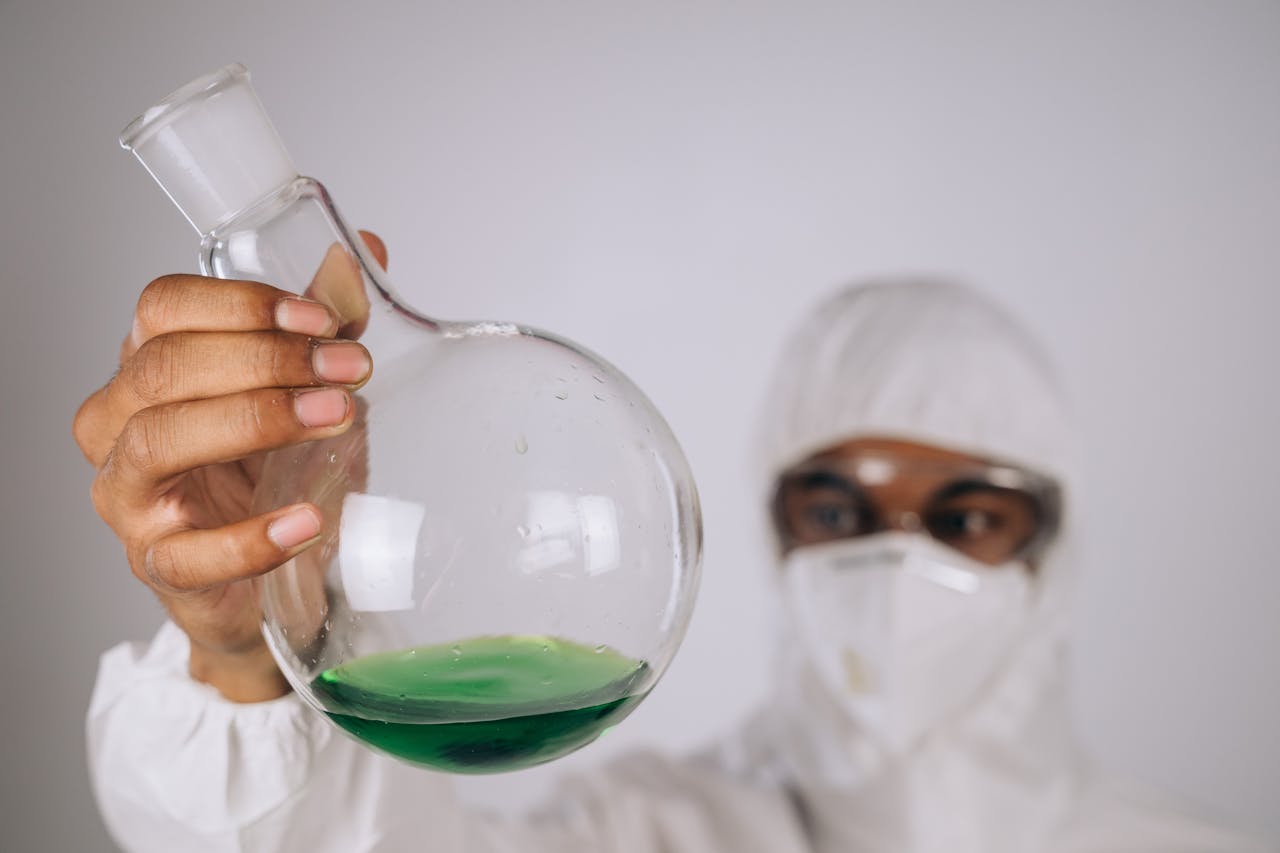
(821, 479)
(824, 480)
(965, 487)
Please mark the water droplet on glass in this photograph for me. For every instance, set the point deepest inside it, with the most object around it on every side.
(457, 651)
(562, 396)
(522, 530)
(546, 682)
(597, 378)
(599, 650)
(546, 648)
(598, 397)
(522, 444)
(333, 458)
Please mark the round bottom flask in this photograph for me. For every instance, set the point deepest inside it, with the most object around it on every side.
(512, 538)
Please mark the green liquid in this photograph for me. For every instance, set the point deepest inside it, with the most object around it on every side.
(484, 705)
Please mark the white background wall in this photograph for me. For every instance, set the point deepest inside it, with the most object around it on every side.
(673, 184)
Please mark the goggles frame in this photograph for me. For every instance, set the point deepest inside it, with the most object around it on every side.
(865, 470)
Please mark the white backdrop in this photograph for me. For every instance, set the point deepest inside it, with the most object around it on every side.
(672, 185)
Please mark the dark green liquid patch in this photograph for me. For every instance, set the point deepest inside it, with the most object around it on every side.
(484, 705)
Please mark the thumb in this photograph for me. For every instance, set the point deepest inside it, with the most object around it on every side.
(376, 246)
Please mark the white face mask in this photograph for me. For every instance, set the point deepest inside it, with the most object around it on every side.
(902, 631)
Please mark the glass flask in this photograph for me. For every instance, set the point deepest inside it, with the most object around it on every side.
(512, 537)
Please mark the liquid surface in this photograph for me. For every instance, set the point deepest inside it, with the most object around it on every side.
(484, 705)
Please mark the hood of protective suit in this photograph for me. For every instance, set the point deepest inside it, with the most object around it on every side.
(935, 363)
(924, 360)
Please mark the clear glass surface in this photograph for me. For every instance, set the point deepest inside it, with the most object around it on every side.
(512, 536)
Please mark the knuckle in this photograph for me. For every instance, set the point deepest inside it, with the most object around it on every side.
(280, 354)
(142, 443)
(260, 354)
(103, 497)
(262, 416)
(82, 426)
(257, 302)
(160, 302)
(160, 568)
(270, 410)
(239, 553)
(154, 370)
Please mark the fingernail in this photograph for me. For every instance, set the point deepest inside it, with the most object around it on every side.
(326, 407)
(294, 527)
(305, 317)
(341, 362)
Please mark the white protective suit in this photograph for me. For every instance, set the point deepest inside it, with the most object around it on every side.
(177, 768)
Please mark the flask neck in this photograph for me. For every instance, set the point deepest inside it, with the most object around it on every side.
(295, 239)
(211, 147)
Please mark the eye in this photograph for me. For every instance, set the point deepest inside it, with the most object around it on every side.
(960, 524)
(832, 519)
(819, 507)
(987, 523)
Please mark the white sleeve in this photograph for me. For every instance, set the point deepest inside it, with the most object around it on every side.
(175, 766)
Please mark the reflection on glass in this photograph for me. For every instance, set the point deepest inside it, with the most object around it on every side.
(567, 532)
(377, 543)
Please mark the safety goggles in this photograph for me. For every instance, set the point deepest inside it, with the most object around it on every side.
(994, 513)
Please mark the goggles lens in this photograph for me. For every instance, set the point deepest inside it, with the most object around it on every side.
(991, 513)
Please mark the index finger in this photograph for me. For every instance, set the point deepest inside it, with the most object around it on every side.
(193, 303)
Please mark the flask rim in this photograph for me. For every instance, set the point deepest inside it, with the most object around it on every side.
(171, 105)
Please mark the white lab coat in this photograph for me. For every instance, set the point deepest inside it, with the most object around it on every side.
(177, 768)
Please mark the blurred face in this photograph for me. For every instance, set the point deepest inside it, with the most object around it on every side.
(989, 512)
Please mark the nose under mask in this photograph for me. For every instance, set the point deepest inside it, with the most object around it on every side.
(903, 632)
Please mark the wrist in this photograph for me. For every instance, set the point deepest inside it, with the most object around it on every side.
(241, 676)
